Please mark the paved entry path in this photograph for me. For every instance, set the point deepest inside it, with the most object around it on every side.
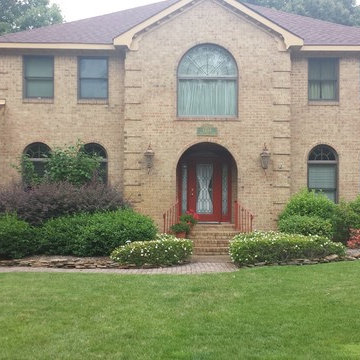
(191, 268)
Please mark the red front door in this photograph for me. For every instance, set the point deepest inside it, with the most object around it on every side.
(207, 187)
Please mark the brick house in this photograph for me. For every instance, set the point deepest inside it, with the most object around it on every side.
(200, 86)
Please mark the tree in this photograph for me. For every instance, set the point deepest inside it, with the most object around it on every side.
(344, 12)
(18, 15)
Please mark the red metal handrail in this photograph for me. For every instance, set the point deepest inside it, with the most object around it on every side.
(243, 218)
(171, 217)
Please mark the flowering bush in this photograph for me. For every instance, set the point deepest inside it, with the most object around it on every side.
(354, 241)
(165, 250)
(275, 247)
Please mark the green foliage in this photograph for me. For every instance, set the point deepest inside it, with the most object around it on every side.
(16, 237)
(94, 234)
(306, 225)
(18, 15)
(345, 12)
(71, 164)
(188, 219)
(309, 203)
(347, 216)
(180, 227)
(27, 170)
(164, 251)
(275, 247)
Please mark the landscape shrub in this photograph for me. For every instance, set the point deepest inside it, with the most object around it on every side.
(306, 225)
(16, 238)
(309, 203)
(94, 234)
(164, 251)
(273, 247)
(354, 241)
(347, 217)
(71, 164)
(46, 201)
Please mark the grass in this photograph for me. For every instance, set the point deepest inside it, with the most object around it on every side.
(309, 312)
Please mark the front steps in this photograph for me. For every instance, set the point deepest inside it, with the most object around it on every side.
(212, 239)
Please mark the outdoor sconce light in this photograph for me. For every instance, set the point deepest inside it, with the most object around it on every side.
(149, 157)
(265, 158)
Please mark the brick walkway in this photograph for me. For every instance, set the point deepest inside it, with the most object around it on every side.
(192, 268)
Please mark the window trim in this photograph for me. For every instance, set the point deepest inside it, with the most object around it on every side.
(79, 78)
(325, 162)
(337, 81)
(25, 79)
(230, 78)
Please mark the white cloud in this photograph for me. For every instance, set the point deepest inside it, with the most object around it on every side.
(82, 9)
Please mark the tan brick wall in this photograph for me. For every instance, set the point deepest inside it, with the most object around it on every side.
(63, 120)
(264, 110)
(333, 123)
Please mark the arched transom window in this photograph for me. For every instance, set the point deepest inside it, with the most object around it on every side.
(207, 82)
(322, 171)
(98, 150)
(38, 153)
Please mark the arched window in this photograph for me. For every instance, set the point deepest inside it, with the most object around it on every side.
(207, 82)
(322, 171)
(98, 150)
(38, 154)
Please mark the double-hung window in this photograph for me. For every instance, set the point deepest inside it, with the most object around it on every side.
(38, 77)
(93, 78)
(323, 79)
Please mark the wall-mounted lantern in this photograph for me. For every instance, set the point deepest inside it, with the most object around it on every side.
(265, 157)
(149, 157)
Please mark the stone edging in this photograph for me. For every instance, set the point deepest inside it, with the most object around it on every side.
(107, 263)
(326, 259)
(71, 263)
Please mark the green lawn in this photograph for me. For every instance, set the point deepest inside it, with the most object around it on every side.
(309, 312)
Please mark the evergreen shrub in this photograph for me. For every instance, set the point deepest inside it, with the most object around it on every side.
(94, 234)
(17, 238)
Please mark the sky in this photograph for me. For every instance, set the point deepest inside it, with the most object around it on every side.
(82, 9)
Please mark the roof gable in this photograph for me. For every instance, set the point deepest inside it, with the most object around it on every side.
(126, 38)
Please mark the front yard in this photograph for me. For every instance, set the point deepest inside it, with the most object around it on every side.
(309, 312)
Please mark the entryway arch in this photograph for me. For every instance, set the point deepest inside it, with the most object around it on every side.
(207, 182)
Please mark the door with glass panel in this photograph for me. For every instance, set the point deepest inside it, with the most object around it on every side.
(205, 188)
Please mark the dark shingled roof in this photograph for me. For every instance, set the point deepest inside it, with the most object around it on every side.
(103, 29)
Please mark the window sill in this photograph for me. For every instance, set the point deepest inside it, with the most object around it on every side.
(208, 119)
(324, 103)
(38, 101)
(93, 101)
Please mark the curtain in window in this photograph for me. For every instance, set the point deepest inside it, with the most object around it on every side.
(207, 97)
(322, 79)
(204, 175)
